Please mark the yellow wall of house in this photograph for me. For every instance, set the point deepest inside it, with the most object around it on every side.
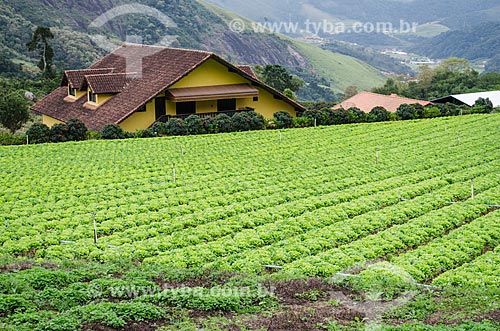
(50, 121)
(78, 93)
(213, 73)
(206, 106)
(268, 105)
(102, 98)
(140, 121)
(209, 73)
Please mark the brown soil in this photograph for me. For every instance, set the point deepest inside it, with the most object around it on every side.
(26, 265)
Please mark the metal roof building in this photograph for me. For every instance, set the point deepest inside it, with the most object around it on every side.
(470, 99)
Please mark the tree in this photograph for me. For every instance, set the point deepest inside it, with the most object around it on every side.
(454, 64)
(278, 77)
(38, 134)
(406, 112)
(40, 42)
(486, 104)
(283, 119)
(378, 114)
(13, 111)
(350, 91)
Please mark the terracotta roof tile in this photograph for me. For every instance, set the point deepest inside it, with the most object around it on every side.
(366, 101)
(108, 83)
(75, 77)
(248, 70)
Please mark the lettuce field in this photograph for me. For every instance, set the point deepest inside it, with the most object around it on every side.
(420, 196)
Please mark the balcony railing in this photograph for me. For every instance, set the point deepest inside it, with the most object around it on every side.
(229, 113)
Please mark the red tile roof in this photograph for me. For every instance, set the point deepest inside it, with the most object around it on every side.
(75, 78)
(248, 70)
(366, 101)
(108, 83)
(157, 69)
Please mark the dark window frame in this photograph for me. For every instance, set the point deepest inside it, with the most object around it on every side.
(185, 108)
(226, 105)
(72, 91)
(92, 97)
(141, 109)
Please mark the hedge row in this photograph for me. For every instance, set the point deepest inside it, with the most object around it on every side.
(75, 130)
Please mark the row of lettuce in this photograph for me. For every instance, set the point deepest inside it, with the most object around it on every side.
(75, 130)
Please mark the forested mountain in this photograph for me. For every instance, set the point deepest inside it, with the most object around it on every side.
(453, 13)
(479, 42)
(199, 25)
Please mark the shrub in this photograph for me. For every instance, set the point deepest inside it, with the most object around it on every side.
(378, 114)
(317, 117)
(406, 112)
(194, 124)
(148, 133)
(257, 121)
(302, 122)
(283, 119)
(9, 139)
(38, 134)
(242, 121)
(93, 135)
(356, 115)
(77, 130)
(486, 104)
(224, 123)
(337, 116)
(209, 125)
(160, 128)
(431, 112)
(59, 133)
(176, 127)
(113, 131)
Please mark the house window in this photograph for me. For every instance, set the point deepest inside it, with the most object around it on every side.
(185, 108)
(72, 91)
(226, 104)
(92, 97)
(255, 99)
(141, 109)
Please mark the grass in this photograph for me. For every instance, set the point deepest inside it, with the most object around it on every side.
(341, 70)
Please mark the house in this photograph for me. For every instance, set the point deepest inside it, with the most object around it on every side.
(366, 101)
(137, 85)
(470, 99)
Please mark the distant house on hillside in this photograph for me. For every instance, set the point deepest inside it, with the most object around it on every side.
(470, 99)
(366, 101)
(137, 85)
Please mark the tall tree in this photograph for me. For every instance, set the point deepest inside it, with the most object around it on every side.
(350, 91)
(40, 42)
(278, 77)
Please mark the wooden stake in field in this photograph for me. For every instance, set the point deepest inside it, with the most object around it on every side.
(173, 173)
(472, 188)
(95, 229)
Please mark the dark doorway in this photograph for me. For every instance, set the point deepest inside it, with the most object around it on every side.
(160, 107)
(226, 104)
(186, 108)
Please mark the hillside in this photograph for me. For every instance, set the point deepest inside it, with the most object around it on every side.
(199, 26)
(454, 14)
(479, 42)
(221, 232)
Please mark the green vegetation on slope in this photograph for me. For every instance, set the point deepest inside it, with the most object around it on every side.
(341, 70)
(182, 220)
